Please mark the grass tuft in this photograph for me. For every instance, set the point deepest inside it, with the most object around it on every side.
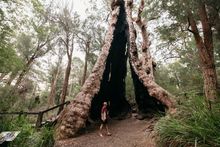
(193, 125)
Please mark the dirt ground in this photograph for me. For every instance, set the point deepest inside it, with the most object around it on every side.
(130, 132)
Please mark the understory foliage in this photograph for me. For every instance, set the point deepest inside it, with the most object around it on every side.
(193, 125)
(7, 99)
(29, 136)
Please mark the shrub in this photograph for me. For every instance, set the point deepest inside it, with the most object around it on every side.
(193, 124)
(29, 136)
(8, 98)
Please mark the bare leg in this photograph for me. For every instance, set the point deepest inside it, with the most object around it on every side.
(108, 133)
(100, 130)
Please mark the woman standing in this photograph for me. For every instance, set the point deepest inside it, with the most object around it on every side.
(104, 117)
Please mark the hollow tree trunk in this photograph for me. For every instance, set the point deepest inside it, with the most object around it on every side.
(112, 87)
(73, 117)
(107, 80)
(145, 78)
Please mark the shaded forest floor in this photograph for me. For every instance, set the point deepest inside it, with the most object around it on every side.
(130, 132)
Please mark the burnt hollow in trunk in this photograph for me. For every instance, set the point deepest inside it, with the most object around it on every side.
(146, 103)
(112, 87)
(113, 81)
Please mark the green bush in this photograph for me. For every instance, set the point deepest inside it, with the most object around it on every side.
(29, 136)
(193, 124)
(7, 98)
(46, 139)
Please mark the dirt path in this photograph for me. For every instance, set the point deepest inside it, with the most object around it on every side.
(125, 133)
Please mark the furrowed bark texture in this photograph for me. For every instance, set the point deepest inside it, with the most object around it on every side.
(113, 82)
(147, 60)
(206, 52)
(74, 116)
(107, 80)
(145, 78)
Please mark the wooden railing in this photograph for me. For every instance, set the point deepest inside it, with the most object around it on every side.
(39, 114)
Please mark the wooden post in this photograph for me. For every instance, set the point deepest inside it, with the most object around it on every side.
(39, 119)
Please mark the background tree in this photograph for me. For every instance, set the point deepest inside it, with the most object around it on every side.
(69, 25)
(34, 43)
(90, 41)
(9, 60)
(76, 77)
(186, 22)
(55, 73)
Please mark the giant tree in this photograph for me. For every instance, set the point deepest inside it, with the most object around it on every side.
(107, 79)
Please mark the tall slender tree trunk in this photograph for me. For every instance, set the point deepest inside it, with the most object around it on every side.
(67, 73)
(52, 94)
(206, 53)
(85, 69)
(86, 60)
(66, 81)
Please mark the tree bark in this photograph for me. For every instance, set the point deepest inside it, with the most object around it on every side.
(67, 73)
(107, 74)
(65, 84)
(146, 79)
(206, 53)
(52, 94)
(147, 61)
(86, 62)
(84, 70)
(74, 116)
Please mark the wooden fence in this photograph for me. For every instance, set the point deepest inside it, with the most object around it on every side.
(39, 114)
